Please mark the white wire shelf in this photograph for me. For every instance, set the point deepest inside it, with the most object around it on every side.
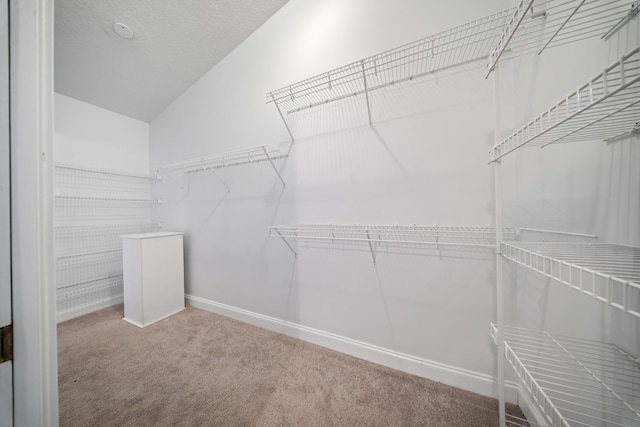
(100, 257)
(456, 46)
(373, 235)
(575, 382)
(536, 25)
(513, 421)
(230, 158)
(104, 229)
(101, 171)
(604, 108)
(606, 272)
(82, 200)
(89, 286)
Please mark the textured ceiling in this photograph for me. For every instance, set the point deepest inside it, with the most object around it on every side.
(175, 43)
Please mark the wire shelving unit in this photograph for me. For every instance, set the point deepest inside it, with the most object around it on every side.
(231, 158)
(536, 25)
(609, 273)
(575, 382)
(456, 46)
(374, 235)
(604, 108)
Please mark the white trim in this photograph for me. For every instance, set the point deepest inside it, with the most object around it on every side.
(456, 377)
(35, 364)
(63, 316)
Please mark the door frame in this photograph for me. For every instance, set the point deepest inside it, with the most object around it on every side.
(6, 367)
(35, 373)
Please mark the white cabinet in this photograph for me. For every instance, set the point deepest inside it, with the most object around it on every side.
(153, 270)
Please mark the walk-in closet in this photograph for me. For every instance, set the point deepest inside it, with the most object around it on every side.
(389, 213)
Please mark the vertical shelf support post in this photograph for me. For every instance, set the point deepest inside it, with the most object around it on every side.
(499, 279)
(366, 92)
(286, 125)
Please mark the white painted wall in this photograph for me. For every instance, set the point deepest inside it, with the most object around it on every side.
(92, 136)
(423, 162)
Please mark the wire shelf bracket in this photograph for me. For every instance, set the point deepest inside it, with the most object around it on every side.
(599, 109)
(574, 382)
(537, 25)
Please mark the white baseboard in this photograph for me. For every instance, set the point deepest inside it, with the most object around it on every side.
(456, 377)
(65, 315)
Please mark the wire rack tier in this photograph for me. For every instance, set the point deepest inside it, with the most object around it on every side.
(400, 234)
(101, 171)
(604, 108)
(456, 46)
(609, 273)
(71, 240)
(536, 25)
(230, 158)
(84, 201)
(575, 382)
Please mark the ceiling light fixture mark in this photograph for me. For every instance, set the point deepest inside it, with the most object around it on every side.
(123, 30)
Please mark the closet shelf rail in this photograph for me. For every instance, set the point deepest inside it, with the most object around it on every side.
(83, 200)
(374, 235)
(538, 25)
(609, 273)
(100, 230)
(100, 171)
(456, 46)
(604, 108)
(574, 382)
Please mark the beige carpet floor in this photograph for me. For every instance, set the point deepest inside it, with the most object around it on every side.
(196, 368)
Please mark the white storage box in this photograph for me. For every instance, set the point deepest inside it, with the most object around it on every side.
(153, 272)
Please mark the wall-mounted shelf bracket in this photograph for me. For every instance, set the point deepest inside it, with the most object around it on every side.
(295, 254)
(210, 169)
(266, 153)
(286, 125)
(635, 7)
(509, 31)
(366, 94)
(373, 254)
(175, 181)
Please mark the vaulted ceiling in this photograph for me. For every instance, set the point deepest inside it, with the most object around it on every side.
(174, 43)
